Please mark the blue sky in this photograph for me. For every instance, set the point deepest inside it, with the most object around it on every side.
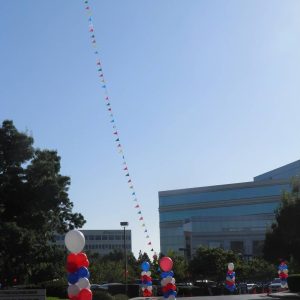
(204, 93)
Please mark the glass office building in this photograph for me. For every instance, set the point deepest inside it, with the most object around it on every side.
(102, 241)
(231, 216)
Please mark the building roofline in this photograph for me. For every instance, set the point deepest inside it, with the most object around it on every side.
(222, 187)
(279, 170)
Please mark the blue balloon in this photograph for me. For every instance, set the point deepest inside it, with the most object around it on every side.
(167, 274)
(83, 272)
(73, 277)
(145, 266)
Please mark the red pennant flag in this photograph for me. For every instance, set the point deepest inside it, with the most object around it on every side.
(137, 206)
(149, 243)
(141, 218)
(106, 98)
(119, 145)
(116, 132)
(110, 110)
(91, 30)
(129, 180)
(125, 169)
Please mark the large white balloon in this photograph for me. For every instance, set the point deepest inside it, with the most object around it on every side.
(73, 290)
(74, 241)
(230, 266)
(83, 283)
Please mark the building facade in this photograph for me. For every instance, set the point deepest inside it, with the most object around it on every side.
(231, 216)
(102, 241)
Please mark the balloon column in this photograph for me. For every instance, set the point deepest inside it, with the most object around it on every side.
(168, 281)
(230, 278)
(146, 279)
(283, 273)
(77, 264)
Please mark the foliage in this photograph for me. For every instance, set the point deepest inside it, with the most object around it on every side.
(211, 263)
(110, 267)
(120, 297)
(256, 269)
(283, 239)
(56, 288)
(294, 283)
(180, 266)
(34, 204)
(100, 295)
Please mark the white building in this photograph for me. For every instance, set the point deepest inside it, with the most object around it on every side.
(102, 241)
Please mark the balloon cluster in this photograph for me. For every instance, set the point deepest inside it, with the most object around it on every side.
(283, 273)
(146, 279)
(230, 278)
(77, 264)
(168, 281)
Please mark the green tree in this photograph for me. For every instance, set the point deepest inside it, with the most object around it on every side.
(256, 269)
(180, 266)
(110, 267)
(34, 204)
(211, 263)
(283, 239)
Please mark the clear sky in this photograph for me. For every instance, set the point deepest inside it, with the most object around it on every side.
(204, 93)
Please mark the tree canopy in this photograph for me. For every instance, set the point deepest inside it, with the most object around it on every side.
(34, 205)
(283, 239)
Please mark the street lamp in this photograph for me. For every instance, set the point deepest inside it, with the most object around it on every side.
(124, 224)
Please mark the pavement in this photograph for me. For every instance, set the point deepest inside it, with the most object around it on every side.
(281, 295)
(285, 295)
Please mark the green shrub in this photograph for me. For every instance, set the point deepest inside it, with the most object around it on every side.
(294, 283)
(56, 288)
(120, 297)
(100, 295)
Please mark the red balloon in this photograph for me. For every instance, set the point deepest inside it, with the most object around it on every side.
(85, 294)
(72, 257)
(81, 260)
(71, 267)
(166, 263)
(147, 293)
(170, 286)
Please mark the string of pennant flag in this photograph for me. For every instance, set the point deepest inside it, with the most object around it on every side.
(115, 131)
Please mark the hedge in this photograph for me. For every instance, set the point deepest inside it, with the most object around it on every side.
(294, 283)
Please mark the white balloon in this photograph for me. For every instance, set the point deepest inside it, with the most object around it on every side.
(83, 283)
(149, 288)
(168, 279)
(144, 273)
(173, 281)
(148, 273)
(73, 290)
(162, 282)
(171, 297)
(230, 266)
(74, 241)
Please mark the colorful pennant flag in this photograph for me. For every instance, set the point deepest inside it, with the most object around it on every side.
(101, 77)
